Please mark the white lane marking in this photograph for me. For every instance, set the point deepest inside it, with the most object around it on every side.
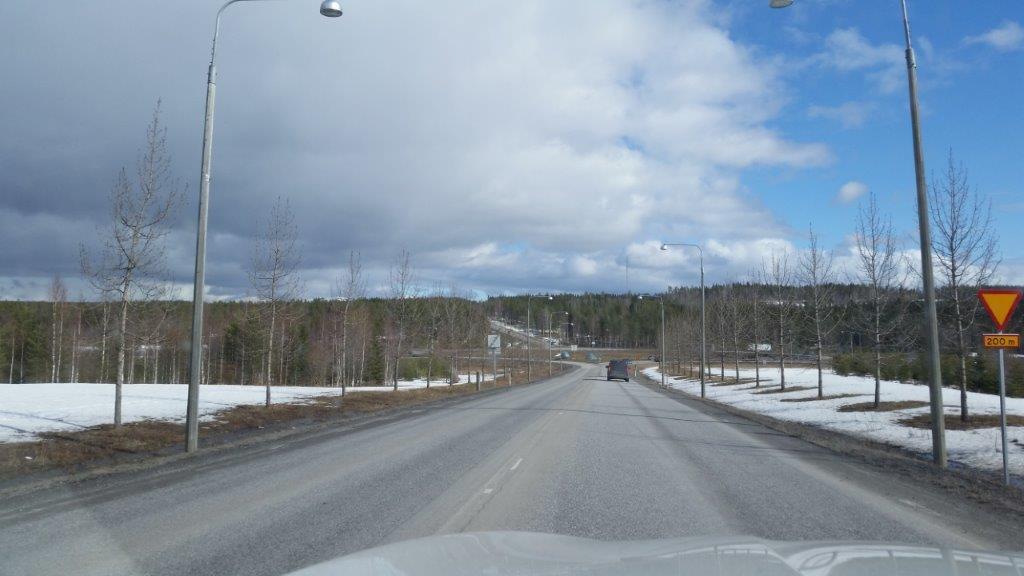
(516, 465)
(488, 490)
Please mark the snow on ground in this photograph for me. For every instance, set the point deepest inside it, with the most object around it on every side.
(29, 409)
(977, 448)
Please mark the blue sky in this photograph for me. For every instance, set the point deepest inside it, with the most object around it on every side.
(543, 146)
(971, 91)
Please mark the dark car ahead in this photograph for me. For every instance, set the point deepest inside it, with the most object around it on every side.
(618, 370)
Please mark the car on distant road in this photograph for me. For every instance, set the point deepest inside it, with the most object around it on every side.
(618, 370)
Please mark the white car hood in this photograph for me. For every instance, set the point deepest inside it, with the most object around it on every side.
(526, 553)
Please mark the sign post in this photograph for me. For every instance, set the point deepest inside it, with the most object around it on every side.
(1000, 305)
(494, 343)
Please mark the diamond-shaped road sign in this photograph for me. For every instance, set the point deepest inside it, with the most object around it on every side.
(1000, 305)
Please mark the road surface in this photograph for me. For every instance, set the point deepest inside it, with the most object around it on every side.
(575, 455)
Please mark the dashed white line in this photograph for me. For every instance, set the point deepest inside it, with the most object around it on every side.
(516, 465)
(488, 490)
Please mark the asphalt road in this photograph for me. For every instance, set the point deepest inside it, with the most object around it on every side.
(576, 455)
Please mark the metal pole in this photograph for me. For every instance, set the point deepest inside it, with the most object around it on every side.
(494, 359)
(196, 353)
(703, 323)
(661, 366)
(529, 358)
(549, 346)
(927, 275)
(1002, 415)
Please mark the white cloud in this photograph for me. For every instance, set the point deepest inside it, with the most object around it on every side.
(851, 191)
(847, 50)
(849, 114)
(1006, 37)
(503, 148)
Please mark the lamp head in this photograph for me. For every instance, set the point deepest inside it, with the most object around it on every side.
(664, 246)
(331, 8)
(780, 3)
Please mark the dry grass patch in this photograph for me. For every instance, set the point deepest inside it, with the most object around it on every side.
(953, 421)
(825, 397)
(72, 451)
(69, 450)
(775, 389)
(882, 406)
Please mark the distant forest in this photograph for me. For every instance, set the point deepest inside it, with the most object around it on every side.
(736, 312)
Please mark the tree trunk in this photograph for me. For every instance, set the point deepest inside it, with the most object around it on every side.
(53, 344)
(757, 365)
(721, 360)
(60, 342)
(736, 354)
(817, 333)
(961, 353)
(821, 393)
(73, 377)
(878, 353)
(122, 342)
(270, 348)
(103, 346)
(10, 375)
(757, 350)
(782, 353)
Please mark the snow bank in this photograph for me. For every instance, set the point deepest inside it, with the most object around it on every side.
(977, 448)
(29, 409)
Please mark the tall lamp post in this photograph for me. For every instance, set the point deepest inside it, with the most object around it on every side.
(550, 343)
(330, 9)
(661, 358)
(703, 315)
(931, 326)
(529, 358)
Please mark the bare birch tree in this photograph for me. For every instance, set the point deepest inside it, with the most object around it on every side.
(879, 267)
(131, 264)
(778, 277)
(401, 307)
(454, 328)
(59, 300)
(965, 244)
(754, 320)
(735, 312)
(351, 287)
(817, 274)
(274, 273)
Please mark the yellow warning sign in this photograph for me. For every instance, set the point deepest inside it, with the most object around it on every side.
(1008, 341)
(1000, 305)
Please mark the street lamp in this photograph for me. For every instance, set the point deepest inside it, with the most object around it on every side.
(661, 359)
(529, 357)
(330, 8)
(927, 275)
(703, 316)
(550, 343)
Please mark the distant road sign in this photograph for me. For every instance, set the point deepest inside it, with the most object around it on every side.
(1000, 305)
(1007, 341)
(493, 341)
